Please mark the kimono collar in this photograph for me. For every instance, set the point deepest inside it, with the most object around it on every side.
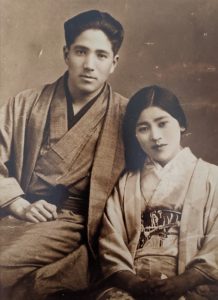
(74, 118)
(170, 179)
(183, 156)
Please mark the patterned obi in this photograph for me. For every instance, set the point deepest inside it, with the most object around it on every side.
(158, 222)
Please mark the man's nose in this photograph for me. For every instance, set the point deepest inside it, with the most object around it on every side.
(89, 62)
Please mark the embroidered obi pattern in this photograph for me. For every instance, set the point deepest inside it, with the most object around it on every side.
(159, 222)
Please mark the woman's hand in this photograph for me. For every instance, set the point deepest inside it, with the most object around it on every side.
(39, 211)
(131, 283)
(170, 288)
(174, 287)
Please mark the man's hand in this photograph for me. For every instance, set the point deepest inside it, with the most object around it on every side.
(39, 211)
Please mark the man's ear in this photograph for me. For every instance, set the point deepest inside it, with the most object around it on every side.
(114, 64)
(65, 53)
(182, 129)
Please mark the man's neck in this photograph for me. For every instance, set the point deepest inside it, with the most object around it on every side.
(80, 98)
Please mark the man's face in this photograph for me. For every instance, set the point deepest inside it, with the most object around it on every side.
(90, 61)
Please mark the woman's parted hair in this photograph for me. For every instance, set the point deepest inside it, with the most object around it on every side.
(144, 98)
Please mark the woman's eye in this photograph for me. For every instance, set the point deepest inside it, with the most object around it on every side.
(162, 124)
(143, 129)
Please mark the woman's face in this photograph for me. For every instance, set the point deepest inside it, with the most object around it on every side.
(158, 134)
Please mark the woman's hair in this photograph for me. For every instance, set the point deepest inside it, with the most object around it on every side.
(144, 98)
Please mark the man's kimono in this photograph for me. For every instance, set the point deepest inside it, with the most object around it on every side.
(192, 182)
(39, 156)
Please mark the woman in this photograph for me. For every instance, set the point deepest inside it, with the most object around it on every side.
(159, 235)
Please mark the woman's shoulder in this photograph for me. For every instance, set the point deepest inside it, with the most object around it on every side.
(128, 174)
(126, 180)
(210, 168)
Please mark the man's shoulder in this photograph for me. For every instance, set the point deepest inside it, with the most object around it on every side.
(120, 98)
(120, 101)
(29, 96)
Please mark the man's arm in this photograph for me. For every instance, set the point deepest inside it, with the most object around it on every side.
(13, 118)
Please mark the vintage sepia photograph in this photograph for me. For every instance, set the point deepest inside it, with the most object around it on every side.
(108, 150)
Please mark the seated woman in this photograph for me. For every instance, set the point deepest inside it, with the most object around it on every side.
(159, 235)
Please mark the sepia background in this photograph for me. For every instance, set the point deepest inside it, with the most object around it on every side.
(173, 43)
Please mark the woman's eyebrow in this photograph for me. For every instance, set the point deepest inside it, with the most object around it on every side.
(142, 123)
(155, 120)
(160, 118)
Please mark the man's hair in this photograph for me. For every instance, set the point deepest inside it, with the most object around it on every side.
(144, 98)
(94, 19)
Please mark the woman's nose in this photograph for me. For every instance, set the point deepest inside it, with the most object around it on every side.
(155, 134)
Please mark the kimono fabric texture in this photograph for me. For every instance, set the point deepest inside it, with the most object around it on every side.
(41, 158)
(179, 231)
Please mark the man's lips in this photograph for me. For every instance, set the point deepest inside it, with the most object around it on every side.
(87, 76)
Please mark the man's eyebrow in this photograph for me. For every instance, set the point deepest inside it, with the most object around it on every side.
(80, 47)
(102, 51)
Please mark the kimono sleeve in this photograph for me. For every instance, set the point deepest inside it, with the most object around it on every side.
(113, 242)
(9, 186)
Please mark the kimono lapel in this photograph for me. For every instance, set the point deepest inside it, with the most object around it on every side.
(192, 222)
(58, 124)
(63, 162)
(108, 164)
(175, 179)
(132, 210)
(70, 145)
(35, 130)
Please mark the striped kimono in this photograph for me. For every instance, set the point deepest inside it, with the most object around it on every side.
(38, 154)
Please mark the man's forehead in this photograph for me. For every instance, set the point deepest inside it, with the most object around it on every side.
(93, 38)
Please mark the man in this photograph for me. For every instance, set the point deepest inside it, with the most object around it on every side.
(61, 154)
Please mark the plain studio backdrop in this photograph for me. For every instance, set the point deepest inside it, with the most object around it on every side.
(172, 43)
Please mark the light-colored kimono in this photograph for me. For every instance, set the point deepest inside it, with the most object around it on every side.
(96, 138)
(191, 181)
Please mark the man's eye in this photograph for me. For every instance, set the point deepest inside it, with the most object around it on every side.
(102, 55)
(80, 52)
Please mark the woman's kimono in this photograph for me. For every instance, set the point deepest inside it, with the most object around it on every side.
(188, 180)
